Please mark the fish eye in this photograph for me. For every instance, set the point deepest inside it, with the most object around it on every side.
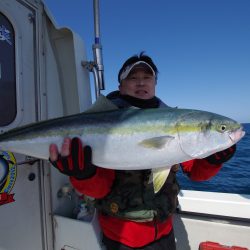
(222, 128)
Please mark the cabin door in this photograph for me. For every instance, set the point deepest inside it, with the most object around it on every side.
(21, 217)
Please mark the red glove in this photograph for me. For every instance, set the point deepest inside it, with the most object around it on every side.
(222, 156)
(78, 163)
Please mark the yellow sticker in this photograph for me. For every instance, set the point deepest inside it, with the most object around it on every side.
(8, 172)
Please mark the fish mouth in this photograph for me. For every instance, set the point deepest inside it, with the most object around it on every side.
(237, 134)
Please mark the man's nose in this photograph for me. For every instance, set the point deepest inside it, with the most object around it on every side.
(140, 82)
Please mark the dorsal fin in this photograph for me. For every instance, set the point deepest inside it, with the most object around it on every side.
(102, 104)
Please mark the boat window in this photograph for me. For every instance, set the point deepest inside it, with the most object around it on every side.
(8, 105)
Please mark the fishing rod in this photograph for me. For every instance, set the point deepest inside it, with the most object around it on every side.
(97, 65)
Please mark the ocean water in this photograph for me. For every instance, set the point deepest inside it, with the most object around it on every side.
(234, 176)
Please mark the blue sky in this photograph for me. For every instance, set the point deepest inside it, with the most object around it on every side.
(201, 47)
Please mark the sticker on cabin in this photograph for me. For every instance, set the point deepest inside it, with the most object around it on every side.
(8, 172)
(5, 35)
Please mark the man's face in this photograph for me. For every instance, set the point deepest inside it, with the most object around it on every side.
(140, 83)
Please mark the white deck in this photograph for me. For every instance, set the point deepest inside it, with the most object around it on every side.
(204, 216)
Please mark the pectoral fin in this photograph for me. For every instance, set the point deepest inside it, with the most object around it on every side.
(156, 142)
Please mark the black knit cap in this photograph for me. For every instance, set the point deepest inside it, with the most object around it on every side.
(137, 58)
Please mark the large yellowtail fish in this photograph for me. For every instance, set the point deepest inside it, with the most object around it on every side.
(130, 138)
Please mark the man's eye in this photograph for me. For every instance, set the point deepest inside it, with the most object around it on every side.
(132, 78)
(148, 77)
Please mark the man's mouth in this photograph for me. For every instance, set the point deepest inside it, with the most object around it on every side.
(141, 92)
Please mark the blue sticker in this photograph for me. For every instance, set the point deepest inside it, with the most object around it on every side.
(5, 35)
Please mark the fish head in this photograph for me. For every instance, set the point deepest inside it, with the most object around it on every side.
(203, 133)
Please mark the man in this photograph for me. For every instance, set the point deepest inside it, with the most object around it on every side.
(132, 213)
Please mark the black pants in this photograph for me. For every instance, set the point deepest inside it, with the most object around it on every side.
(165, 243)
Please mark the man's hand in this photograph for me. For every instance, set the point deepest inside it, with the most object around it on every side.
(74, 159)
(222, 156)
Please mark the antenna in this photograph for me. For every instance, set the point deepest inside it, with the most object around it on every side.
(97, 65)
